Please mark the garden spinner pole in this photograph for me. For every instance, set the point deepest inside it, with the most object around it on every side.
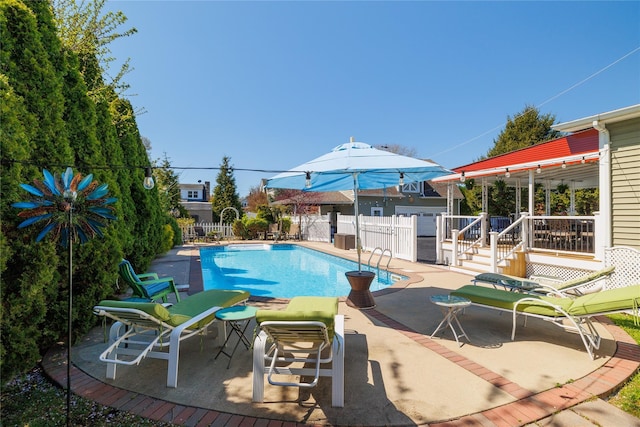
(70, 314)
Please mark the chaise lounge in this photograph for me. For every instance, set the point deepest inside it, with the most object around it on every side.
(590, 282)
(308, 331)
(577, 312)
(145, 329)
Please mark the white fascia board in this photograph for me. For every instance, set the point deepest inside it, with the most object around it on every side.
(521, 166)
(626, 113)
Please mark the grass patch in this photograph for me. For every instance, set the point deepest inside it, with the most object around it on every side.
(31, 400)
(628, 398)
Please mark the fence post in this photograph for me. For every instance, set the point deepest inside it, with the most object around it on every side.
(524, 235)
(454, 254)
(439, 232)
(493, 251)
(599, 242)
(414, 238)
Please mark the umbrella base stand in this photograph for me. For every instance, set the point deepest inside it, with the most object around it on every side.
(360, 296)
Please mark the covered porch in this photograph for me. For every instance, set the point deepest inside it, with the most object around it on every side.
(537, 236)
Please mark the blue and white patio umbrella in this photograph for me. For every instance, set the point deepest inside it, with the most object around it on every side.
(356, 166)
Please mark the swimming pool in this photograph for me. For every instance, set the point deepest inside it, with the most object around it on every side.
(281, 271)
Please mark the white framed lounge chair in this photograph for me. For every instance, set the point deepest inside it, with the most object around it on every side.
(573, 314)
(308, 331)
(144, 329)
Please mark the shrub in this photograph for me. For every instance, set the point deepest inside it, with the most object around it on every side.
(167, 238)
(239, 229)
(255, 226)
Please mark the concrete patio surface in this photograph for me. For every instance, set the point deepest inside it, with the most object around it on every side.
(395, 375)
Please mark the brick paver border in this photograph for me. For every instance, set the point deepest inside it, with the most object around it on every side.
(529, 407)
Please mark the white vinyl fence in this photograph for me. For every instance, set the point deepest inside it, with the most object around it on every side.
(189, 233)
(399, 234)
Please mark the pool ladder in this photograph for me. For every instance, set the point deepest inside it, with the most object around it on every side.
(382, 252)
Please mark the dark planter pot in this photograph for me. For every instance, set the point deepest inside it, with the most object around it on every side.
(360, 296)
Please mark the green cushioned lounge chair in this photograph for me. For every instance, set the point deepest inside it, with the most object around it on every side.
(299, 335)
(148, 285)
(593, 281)
(576, 311)
(146, 329)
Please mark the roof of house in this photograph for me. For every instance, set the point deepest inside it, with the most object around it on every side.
(574, 150)
(346, 197)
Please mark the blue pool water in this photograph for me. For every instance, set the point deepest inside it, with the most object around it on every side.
(281, 271)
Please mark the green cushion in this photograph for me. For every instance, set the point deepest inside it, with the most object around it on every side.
(202, 301)
(320, 309)
(599, 302)
(156, 310)
(586, 278)
(606, 301)
(506, 300)
(187, 308)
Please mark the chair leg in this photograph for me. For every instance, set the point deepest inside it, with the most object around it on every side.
(174, 358)
(337, 365)
(259, 348)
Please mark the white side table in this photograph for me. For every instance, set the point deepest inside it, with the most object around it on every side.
(451, 305)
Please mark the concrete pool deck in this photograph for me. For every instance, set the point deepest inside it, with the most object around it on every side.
(394, 373)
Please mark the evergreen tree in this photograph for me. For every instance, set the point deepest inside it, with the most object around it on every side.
(225, 194)
(48, 120)
(33, 85)
(525, 129)
(168, 187)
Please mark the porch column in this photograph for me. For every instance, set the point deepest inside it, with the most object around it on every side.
(547, 197)
(532, 187)
(572, 198)
(485, 196)
(518, 198)
(450, 198)
(606, 240)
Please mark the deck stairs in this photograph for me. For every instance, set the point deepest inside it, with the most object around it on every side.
(478, 260)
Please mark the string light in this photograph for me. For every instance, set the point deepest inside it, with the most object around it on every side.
(507, 173)
(148, 179)
(401, 182)
(462, 178)
(539, 170)
(583, 160)
(564, 165)
(307, 182)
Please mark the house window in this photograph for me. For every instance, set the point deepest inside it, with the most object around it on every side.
(192, 194)
(376, 211)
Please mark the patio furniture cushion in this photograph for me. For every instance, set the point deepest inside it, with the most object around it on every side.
(607, 301)
(589, 277)
(322, 309)
(507, 300)
(186, 309)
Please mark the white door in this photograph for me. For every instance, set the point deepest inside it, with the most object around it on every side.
(426, 217)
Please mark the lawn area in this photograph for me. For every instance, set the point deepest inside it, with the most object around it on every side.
(628, 398)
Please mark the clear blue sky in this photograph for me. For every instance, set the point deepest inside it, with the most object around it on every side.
(275, 84)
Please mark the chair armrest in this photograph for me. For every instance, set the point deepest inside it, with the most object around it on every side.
(148, 276)
(177, 331)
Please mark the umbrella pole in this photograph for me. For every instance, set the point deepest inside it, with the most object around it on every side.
(355, 208)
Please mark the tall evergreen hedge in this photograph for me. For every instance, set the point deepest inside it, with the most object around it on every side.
(48, 121)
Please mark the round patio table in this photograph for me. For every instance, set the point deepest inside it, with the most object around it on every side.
(238, 317)
(451, 305)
